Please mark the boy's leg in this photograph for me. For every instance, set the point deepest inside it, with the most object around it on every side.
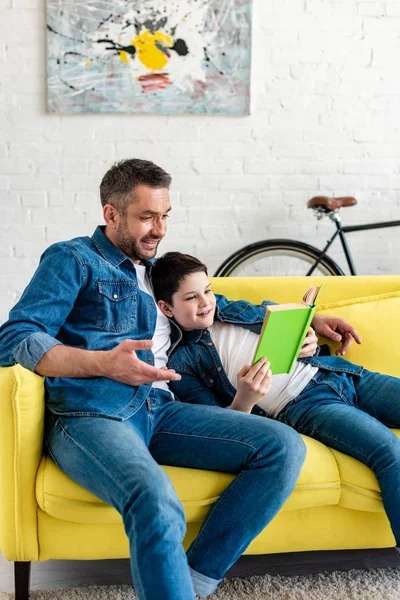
(333, 411)
(267, 457)
(379, 396)
(111, 459)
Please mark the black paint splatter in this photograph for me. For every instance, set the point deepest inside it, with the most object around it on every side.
(63, 35)
(180, 47)
(118, 47)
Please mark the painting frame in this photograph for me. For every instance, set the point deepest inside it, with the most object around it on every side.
(149, 57)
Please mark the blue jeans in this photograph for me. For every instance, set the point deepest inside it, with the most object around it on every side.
(353, 414)
(118, 461)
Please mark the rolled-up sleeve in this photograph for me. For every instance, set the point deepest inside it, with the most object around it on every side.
(30, 350)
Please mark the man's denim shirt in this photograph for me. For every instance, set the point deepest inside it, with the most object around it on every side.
(84, 294)
(195, 357)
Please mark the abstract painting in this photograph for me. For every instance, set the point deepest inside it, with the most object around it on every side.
(149, 56)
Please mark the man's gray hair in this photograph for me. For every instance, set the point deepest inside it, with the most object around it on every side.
(118, 184)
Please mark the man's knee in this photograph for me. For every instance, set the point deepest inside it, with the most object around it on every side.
(155, 501)
(286, 446)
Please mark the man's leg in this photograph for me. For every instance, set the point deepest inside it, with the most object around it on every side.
(266, 456)
(345, 413)
(111, 459)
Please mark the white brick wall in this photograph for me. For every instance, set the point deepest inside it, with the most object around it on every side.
(325, 120)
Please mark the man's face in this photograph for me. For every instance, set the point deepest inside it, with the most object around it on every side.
(193, 304)
(138, 232)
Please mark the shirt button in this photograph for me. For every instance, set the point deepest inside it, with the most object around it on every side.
(219, 369)
(205, 332)
(149, 360)
(210, 343)
(115, 296)
(151, 303)
(131, 406)
(211, 380)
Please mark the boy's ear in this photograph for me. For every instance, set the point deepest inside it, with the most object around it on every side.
(163, 306)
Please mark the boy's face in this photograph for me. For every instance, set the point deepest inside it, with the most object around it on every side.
(193, 304)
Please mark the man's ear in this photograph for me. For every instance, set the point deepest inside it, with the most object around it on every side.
(111, 216)
(165, 309)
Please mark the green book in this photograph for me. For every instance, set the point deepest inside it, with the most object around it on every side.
(284, 330)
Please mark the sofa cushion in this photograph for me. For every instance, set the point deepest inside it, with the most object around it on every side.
(370, 316)
(360, 487)
(58, 496)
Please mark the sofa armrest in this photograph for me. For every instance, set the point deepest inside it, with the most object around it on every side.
(21, 446)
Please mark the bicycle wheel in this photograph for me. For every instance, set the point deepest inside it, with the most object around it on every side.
(275, 258)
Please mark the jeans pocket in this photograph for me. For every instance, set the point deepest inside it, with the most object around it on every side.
(117, 305)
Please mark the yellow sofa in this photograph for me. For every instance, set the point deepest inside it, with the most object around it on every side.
(336, 503)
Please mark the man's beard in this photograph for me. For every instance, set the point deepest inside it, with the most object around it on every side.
(131, 247)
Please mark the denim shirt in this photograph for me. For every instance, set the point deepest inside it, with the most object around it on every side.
(83, 294)
(195, 357)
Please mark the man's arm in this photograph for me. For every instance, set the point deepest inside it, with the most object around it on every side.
(29, 336)
(43, 308)
(121, 364)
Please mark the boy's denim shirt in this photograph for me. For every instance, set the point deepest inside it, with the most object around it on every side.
(194, 356)
(84, 294)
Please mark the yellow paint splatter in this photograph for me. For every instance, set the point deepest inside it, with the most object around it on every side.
(148, 53)
(87, 63)
(124, 57)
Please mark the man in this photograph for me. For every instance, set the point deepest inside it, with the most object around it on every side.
(88, 322)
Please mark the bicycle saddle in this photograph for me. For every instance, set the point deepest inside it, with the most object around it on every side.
(326, 203)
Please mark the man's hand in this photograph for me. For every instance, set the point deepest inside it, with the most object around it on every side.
(310, 344)
(252, 385)
(122, 364)
(337, 330)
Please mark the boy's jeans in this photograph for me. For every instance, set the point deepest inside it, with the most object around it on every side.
(118, 462)
(352, 414)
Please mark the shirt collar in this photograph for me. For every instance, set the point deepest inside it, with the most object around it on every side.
(193, 336)
(107, 248)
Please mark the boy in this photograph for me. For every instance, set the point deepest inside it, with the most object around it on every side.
(325, 397)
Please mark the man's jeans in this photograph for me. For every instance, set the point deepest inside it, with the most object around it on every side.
(352, 414)
(118, 462)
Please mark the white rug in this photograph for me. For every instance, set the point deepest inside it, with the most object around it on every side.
(379, 584)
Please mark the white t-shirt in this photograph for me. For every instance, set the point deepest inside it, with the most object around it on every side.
(236, 347)
(162, 333)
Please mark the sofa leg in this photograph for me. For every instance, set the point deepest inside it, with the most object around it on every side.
(22, 576)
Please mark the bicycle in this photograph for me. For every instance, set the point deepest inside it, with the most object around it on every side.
(279, 257)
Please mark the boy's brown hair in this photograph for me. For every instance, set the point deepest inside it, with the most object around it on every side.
(169, 270)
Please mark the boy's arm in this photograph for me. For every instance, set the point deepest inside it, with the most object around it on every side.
(222, 302)
(337, 330)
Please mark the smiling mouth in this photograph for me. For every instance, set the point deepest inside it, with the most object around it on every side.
(204, 314)
(150, 243)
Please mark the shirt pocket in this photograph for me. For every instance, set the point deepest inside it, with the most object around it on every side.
(209, 377)
(117, 305)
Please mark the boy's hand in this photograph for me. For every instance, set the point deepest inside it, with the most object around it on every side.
(253, 383)
(310, 344)
(337, 330)
(122, 364)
